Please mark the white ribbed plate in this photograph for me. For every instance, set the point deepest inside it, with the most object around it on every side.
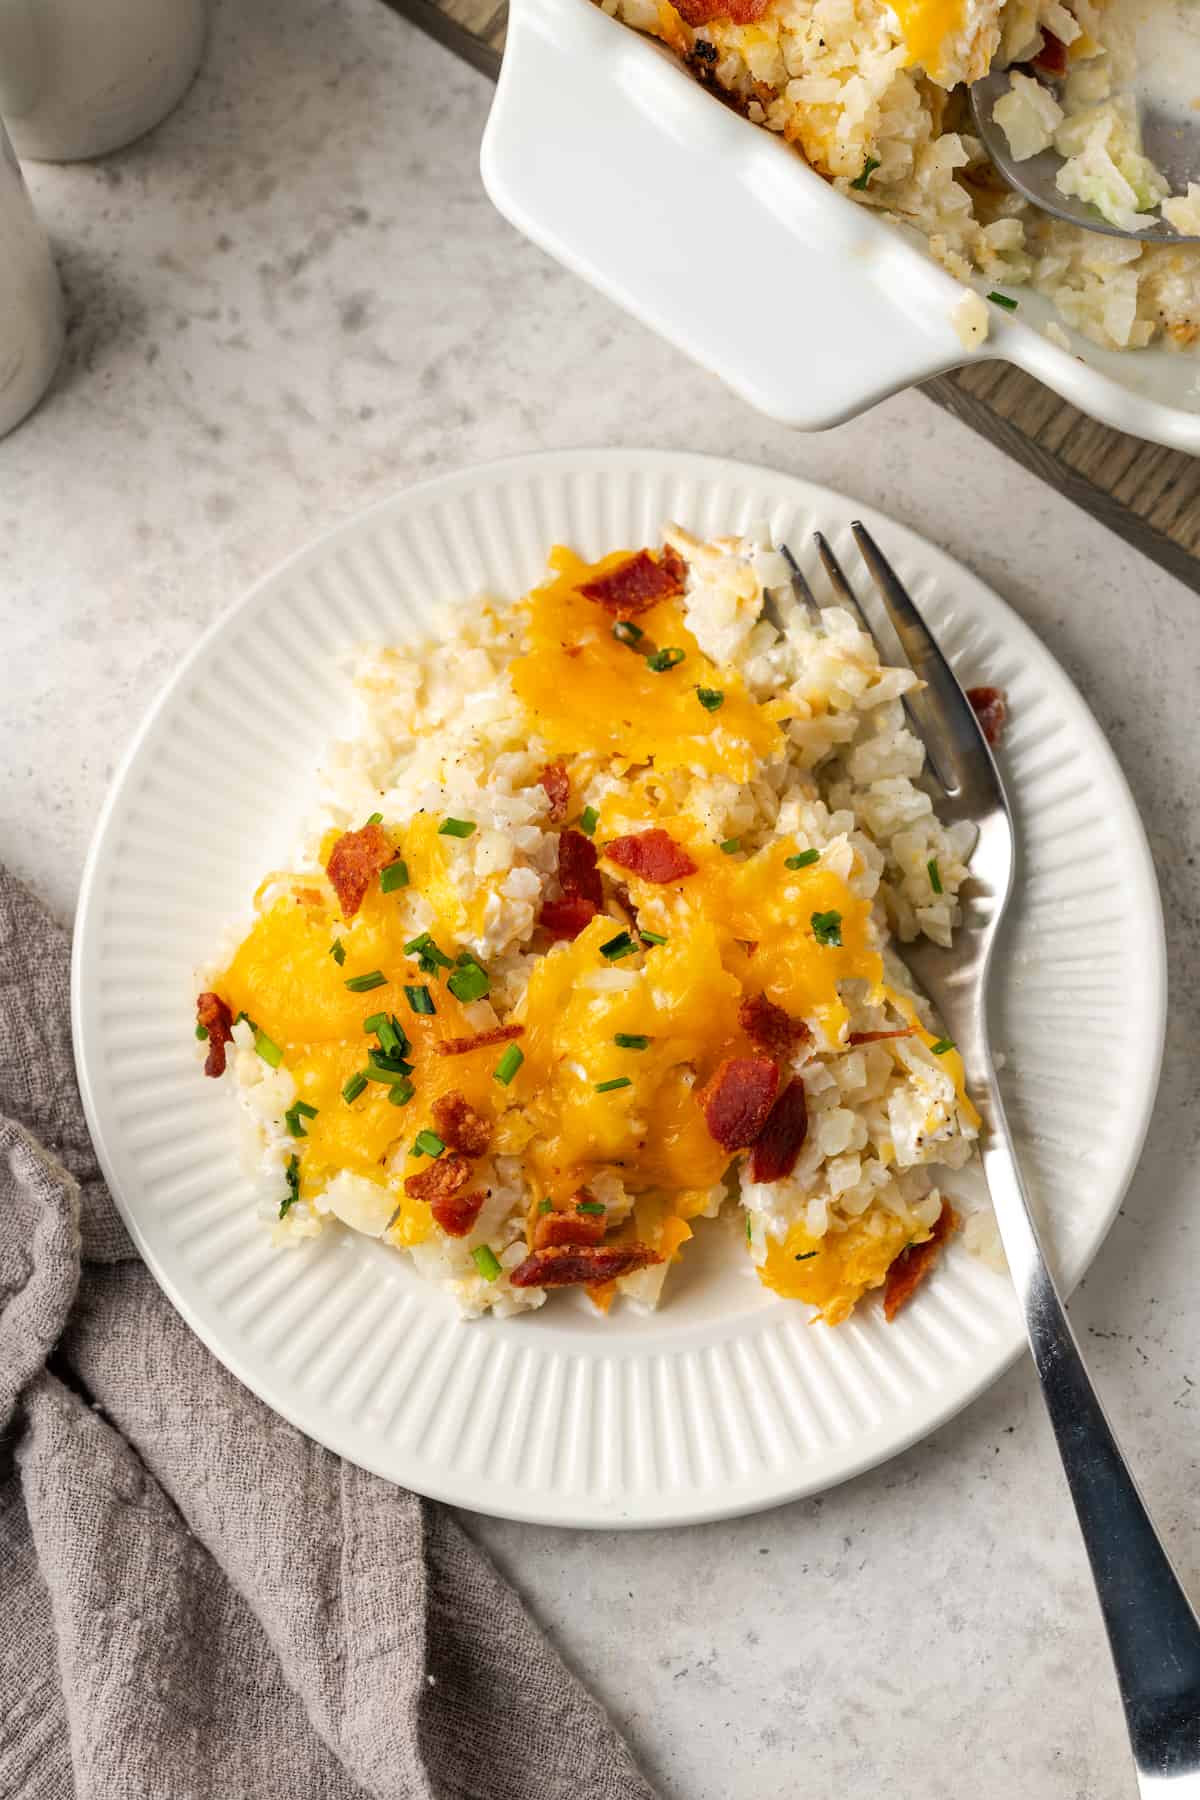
(726, 1399)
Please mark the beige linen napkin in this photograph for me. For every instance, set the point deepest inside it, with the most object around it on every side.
(195, 1600)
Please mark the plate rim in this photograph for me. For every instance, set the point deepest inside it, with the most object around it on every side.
(271, 1393)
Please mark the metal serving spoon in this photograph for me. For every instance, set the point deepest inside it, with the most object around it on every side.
(1173, 147)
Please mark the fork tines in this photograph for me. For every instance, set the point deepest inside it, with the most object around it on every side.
(939, 712)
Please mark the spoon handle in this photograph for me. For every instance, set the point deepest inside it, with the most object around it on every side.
(1153, 1631)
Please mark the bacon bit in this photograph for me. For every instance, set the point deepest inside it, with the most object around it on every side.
(217, 1020)
(737, 1100)
(567, 917)
(769, 1027)
(307, 896)
(568, 1228)
(459, 1126)
(499, 1034)
(574, 1265)
(877, 1037)
(991, 709)
(557, 783)
(354, 862)
(578, 875)
(653, 855)
(442, 1179)
(634, 585)
(703, 12)
(781, 1139)
(457, 1213)
(582, 888)
(909, 1269)
(674, 564)
(1051, 59)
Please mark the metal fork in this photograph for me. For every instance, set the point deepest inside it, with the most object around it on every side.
(1153, 1632)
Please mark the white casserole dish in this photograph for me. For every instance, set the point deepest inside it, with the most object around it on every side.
(602, 149)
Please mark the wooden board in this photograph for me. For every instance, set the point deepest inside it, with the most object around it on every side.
(1149, 495)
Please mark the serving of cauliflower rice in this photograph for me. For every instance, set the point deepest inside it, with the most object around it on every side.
(874, 96)
(594, 937)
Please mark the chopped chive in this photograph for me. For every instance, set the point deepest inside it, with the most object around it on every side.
(460, 828)
(362, 984)
(942, 1045)
(626, 632)
(935, 875)
(609, 1087)
(1003, 300)
(392, 1036)
(508, 1065)
(353, 1088)
(245, 1017)
(400, 1093)
(420, 999)
(749, 1229)
(545, 1206)
(651, 937)
(805, 1255)
(394, 876)
(589, 818)
(470, 981)
(827, 929)
(805, 860)
(429, 958)
(731, 846)
(631, 1040)
(427, 1143)
(595, 1207)
(374, 1022)
(268, 1049)
(710, 698)
(422, 945)
(386, 1068)
(292, 1174)
(868, 169)
(486, 1261)
(202, 1032)
(338, 951)
(617, 947)
(670, 658)
(375, 819)
(296, 1114)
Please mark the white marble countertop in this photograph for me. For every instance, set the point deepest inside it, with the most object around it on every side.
(290, 301)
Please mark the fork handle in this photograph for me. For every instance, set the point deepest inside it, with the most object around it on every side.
(1153, 1632)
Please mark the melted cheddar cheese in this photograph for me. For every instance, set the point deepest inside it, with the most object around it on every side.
(760, 914)
(952, 40)
(652, 1131)
(834, 1272)
(950, 1059)
(284, 978)
(586, 690)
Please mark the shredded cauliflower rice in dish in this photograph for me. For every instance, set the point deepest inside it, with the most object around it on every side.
(874, 96)
(594, 937)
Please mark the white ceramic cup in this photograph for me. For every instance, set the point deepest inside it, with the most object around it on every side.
(31, 313)
(79, 78)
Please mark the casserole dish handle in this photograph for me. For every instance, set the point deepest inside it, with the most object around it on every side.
(603, 150)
